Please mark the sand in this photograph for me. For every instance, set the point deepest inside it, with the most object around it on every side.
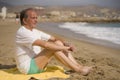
(105, 59)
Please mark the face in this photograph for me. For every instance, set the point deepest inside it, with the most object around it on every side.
(31, 20)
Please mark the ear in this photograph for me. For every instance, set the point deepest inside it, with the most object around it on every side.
(24, 20)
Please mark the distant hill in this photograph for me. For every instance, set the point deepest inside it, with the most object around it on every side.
(83, 9)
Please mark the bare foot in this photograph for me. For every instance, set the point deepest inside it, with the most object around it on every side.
(86, 70)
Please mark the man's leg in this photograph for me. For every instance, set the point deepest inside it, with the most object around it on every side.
(69, 55)
(68, 60)
(73, 59)
(43, 58)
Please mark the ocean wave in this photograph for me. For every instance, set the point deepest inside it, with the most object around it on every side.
(101, 31)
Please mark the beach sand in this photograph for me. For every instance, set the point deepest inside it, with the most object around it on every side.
(106, 60)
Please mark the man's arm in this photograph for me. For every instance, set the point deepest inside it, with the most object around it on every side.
(53, 39)
(50, 45)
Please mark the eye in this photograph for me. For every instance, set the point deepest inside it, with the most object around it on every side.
(34, 17)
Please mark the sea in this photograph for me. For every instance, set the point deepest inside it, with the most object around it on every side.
(107, 34)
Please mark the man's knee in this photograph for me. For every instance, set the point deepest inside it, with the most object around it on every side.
(59, 42)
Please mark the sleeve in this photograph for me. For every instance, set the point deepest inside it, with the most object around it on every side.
(45, 36)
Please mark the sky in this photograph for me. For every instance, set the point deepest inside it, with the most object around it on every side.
(108, 3)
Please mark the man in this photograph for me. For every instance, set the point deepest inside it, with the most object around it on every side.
(31, 58)
(17, 18)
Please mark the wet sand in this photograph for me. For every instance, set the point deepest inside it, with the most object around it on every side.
(105, 59)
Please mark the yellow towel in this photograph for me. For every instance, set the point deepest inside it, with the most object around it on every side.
(51, 72)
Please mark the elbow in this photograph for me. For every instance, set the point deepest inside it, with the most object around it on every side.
(46, 45)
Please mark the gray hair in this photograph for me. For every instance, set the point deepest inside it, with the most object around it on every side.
(23, 14)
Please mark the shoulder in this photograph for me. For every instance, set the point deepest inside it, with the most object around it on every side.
(22, 28)
(22, 31)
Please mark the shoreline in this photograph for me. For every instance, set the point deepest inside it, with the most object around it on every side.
(106, 60)
(67, 33)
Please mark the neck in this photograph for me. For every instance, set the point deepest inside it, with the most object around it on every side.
(28, 27)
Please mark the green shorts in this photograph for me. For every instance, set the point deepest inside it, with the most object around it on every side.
(34, 68)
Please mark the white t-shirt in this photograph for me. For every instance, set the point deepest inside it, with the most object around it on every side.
(24, 49)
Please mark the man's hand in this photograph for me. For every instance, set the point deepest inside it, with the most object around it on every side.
(72, 48)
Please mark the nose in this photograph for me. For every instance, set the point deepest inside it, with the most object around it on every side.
(36, 19)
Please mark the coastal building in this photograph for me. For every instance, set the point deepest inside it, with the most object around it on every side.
(55, 13)
(40, 10)
(3, 13)
(68, 13)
